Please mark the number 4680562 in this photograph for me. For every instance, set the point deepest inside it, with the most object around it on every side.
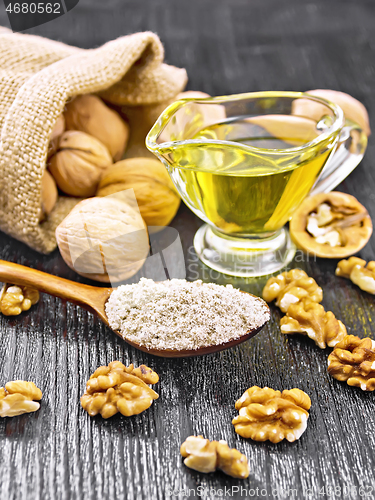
(33, 8)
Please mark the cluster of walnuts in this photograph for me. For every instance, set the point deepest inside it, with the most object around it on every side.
(124, 199)
(99, 154)
(298, 295)
(264, 414)
(116, 388)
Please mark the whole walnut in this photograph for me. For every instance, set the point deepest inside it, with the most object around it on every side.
(104, 239)
(49, 194)
(89, 114)
(78, 163)
(142, 118)
(353, 109)
(156, 195)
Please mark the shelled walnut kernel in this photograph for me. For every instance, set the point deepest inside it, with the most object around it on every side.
(311, 319)
(207, 456)
(353, 361)
(117, 388)
(18, 397)
(291, 287)
(16, 299)
(345, 267)
(265, 414)
(358, 272)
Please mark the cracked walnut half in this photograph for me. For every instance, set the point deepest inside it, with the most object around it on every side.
(331, 225)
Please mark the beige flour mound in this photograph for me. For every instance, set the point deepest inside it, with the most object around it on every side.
(178, 314)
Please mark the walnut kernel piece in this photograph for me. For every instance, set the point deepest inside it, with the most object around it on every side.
(27, 389)
(17, 398)
(117, 388)
(206, 456)
(144, 373)
(265, 414)
(364, 277)
(309, 318)
(331, 225)
(345, 267)
(353, 361)
(290, 288)
(358, 272)
(16, 299)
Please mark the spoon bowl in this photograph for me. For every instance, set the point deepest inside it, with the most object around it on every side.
(94, 299)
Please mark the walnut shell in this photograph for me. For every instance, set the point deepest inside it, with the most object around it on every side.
(354, 237)
(156, 195)
(104, 239)
(89, 114)
(352, 108)
(49, 194)
(78, 163)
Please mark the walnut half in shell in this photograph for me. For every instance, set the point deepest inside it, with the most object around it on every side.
(332, 225)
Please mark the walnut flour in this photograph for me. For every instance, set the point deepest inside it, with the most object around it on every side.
(178, 314)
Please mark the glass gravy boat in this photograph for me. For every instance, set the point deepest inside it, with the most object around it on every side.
(244, 163)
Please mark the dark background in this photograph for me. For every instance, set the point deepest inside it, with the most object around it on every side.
(227, 46)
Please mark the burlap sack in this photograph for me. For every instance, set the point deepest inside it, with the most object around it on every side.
(37, 77)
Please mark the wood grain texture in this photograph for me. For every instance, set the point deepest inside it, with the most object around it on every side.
(60, 452)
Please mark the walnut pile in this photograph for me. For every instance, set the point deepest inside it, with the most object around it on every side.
(15, 299)
(117, 388)
(298, 296)
(353, 361)
(19, 397)
(331, 225)
(207, 456)
(358, 272)
(290, 287)
(265, 414)
(310, 318)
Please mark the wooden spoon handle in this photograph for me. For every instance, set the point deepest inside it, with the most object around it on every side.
(84, 295)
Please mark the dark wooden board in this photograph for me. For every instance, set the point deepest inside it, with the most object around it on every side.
(60, 452)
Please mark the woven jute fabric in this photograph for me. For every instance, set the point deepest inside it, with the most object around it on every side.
(37, 77)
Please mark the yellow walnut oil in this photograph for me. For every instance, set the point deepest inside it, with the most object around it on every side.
(245, 191)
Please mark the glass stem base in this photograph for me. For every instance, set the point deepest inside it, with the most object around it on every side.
(245, 257)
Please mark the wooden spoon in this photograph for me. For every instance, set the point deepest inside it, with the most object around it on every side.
(94, 298)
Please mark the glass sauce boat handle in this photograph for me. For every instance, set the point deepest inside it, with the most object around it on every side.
(349, 152)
